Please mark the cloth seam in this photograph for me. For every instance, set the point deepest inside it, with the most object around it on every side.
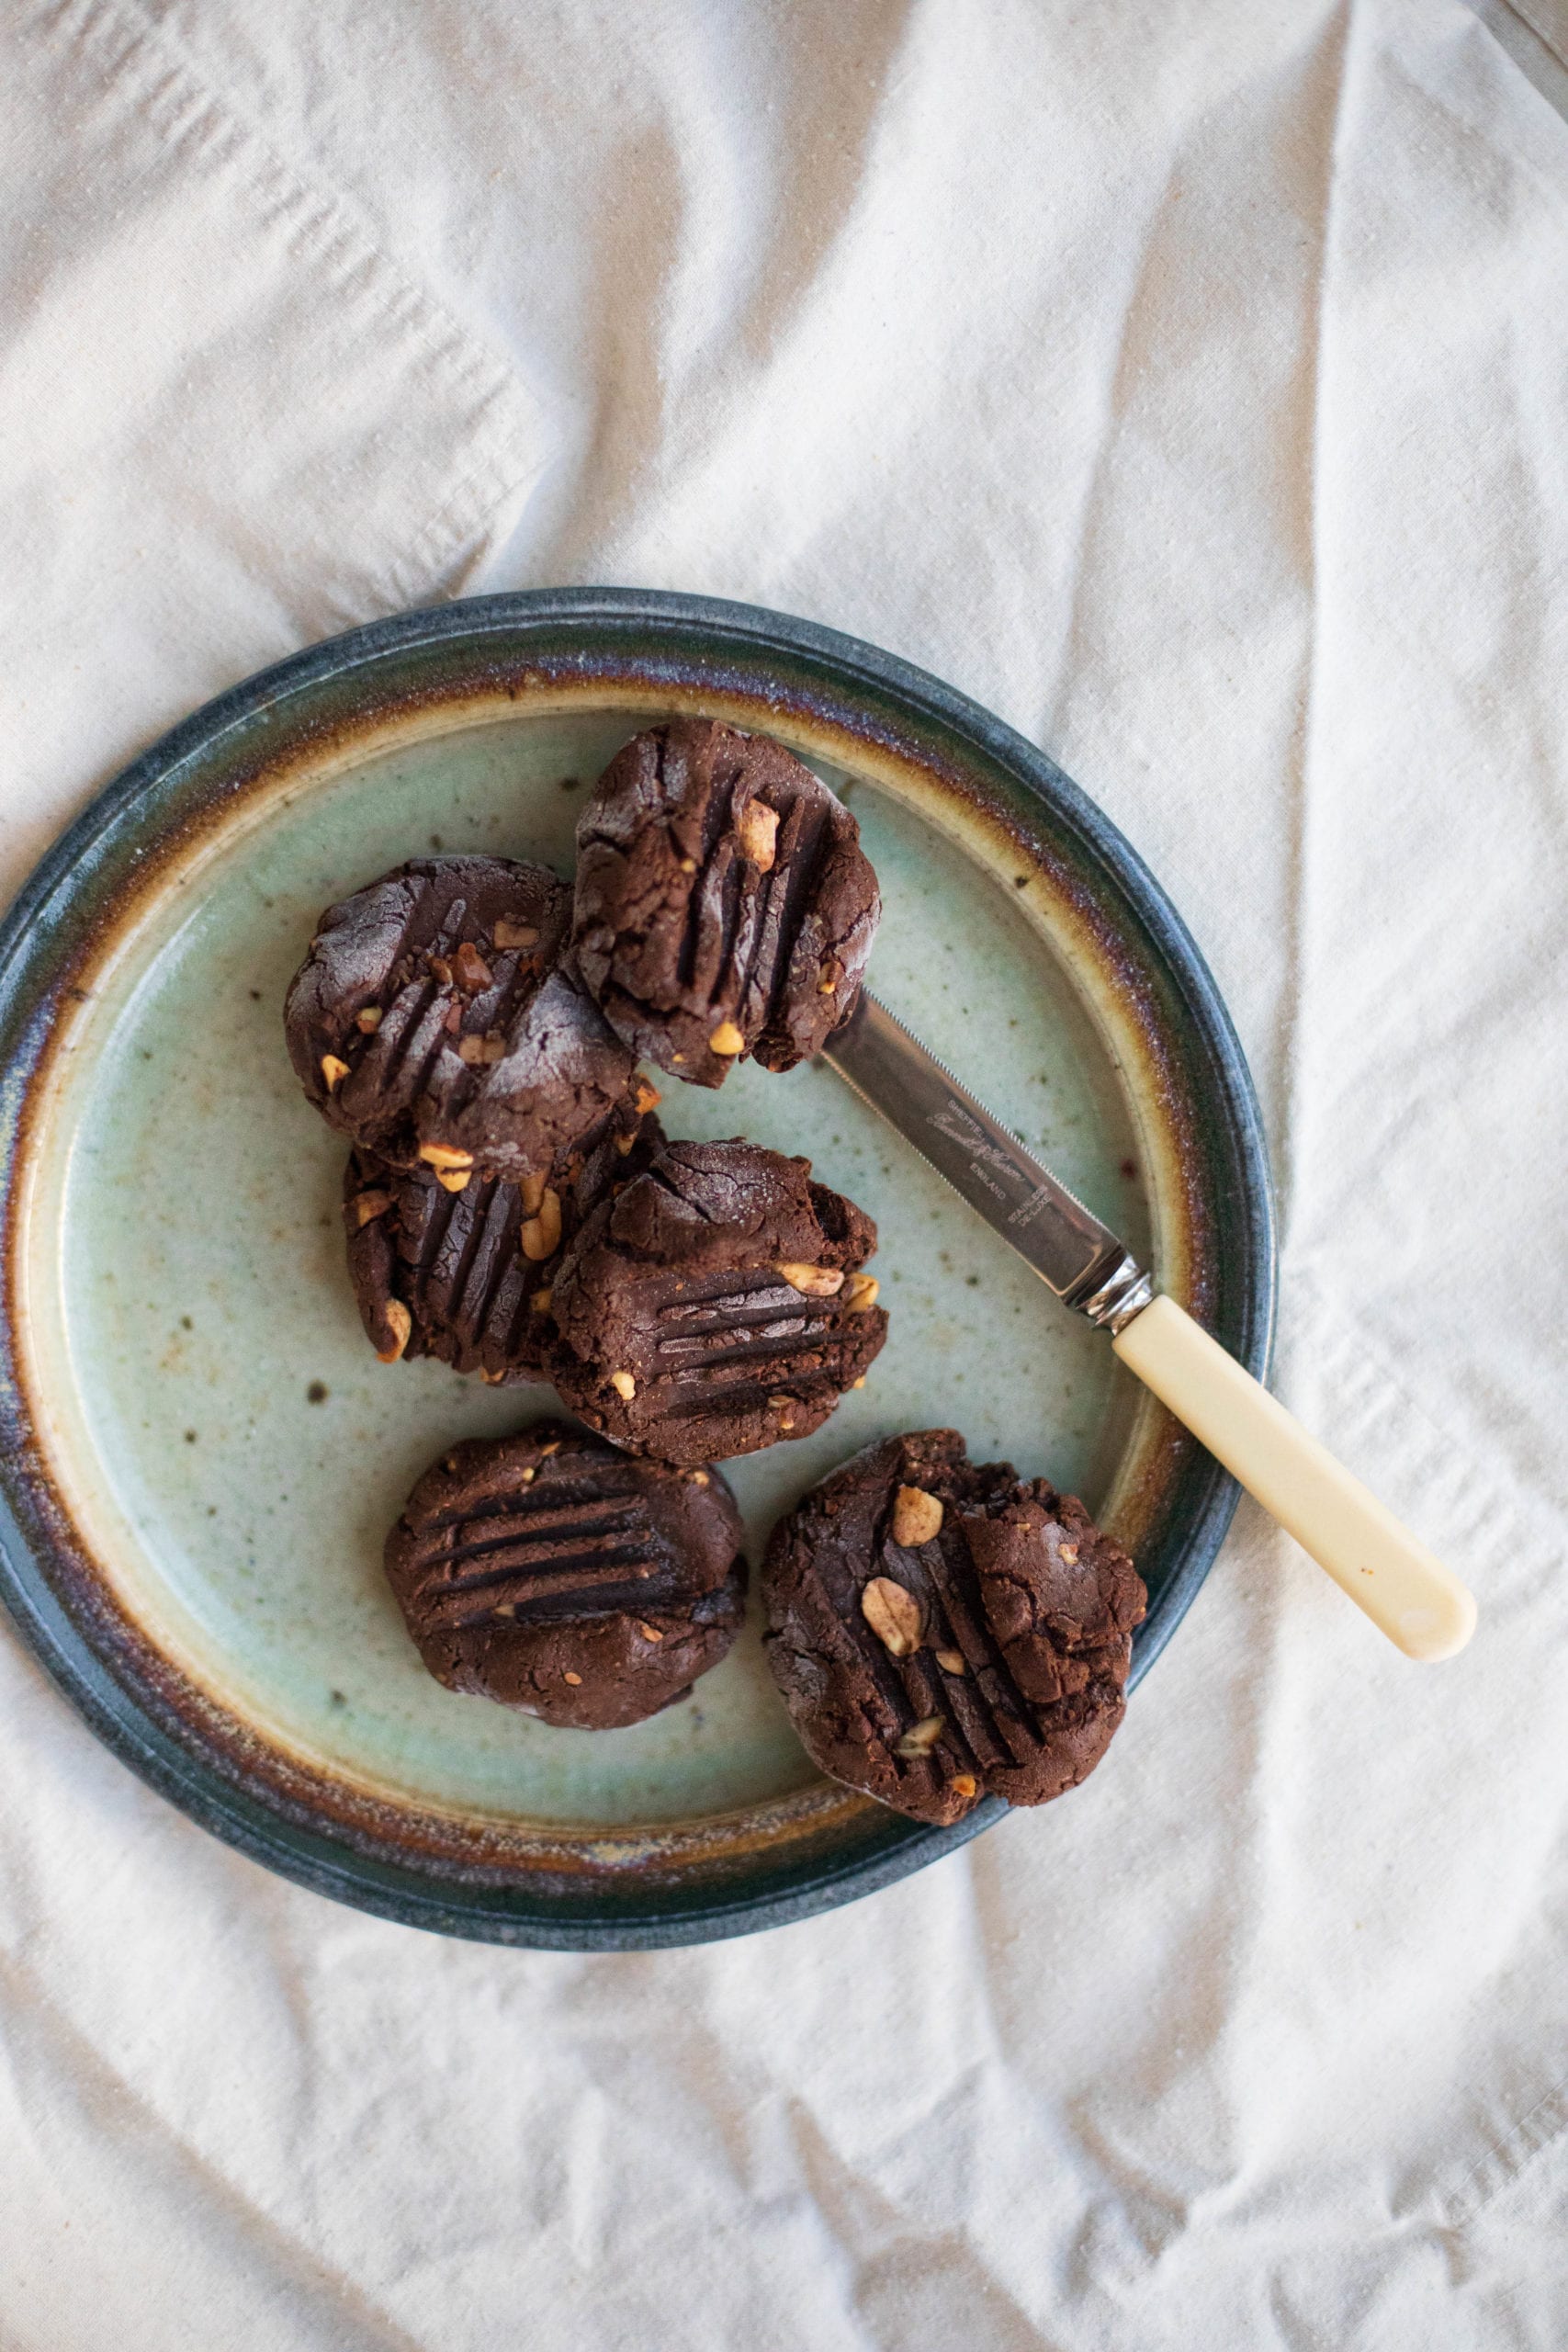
(1550, 36)
(185, 112)
(1291, 1152)
(1507, 2160)
(1520, 159)
(1363, 1372)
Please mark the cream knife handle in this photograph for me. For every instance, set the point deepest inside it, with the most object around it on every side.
(1403, 1589)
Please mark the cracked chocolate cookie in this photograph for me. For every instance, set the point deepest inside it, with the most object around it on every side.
(724, 904)
(941, 1630)
(466, 1276)
(436, 1021)
(553, 1574)
(717, 1304)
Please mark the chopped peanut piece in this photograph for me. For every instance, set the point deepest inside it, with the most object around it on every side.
(400, 1322)
(895, 1616)
(756, 829)
(541, 1234)
(470, 969)
(922, 1738)
(917, 1516)
(813, 1282)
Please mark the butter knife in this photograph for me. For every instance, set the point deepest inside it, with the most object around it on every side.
(1405, 1589)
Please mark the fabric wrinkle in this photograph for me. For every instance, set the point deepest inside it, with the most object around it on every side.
(1291, 1052)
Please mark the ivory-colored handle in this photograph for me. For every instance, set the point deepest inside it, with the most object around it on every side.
(1403, 1589)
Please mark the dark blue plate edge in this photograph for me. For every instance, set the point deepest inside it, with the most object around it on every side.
(1245, 1319)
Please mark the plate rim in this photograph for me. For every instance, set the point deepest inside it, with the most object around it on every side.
(509, 1915)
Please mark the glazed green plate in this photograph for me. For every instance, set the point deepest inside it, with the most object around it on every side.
(200, 1456)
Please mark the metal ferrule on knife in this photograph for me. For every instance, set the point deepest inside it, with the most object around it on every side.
(1082, 1260)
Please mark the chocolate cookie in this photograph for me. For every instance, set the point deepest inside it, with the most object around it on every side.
(943, 1631)
(724, 904)
(466, 1276)
(434, 1020)
(551, 1573)
(717, 1304)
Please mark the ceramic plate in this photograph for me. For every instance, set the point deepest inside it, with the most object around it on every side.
(199, 1454)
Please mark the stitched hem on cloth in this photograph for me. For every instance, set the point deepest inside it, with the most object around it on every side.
(194, 122)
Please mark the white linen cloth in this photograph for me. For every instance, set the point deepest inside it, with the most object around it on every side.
(1188, 379)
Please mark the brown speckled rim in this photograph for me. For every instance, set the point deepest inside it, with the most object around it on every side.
(991, 792)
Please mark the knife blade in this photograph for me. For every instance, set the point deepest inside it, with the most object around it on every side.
(1087, 1265)
(1405, 1589)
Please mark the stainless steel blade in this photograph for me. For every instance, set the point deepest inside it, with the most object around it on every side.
(1082, 1260)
